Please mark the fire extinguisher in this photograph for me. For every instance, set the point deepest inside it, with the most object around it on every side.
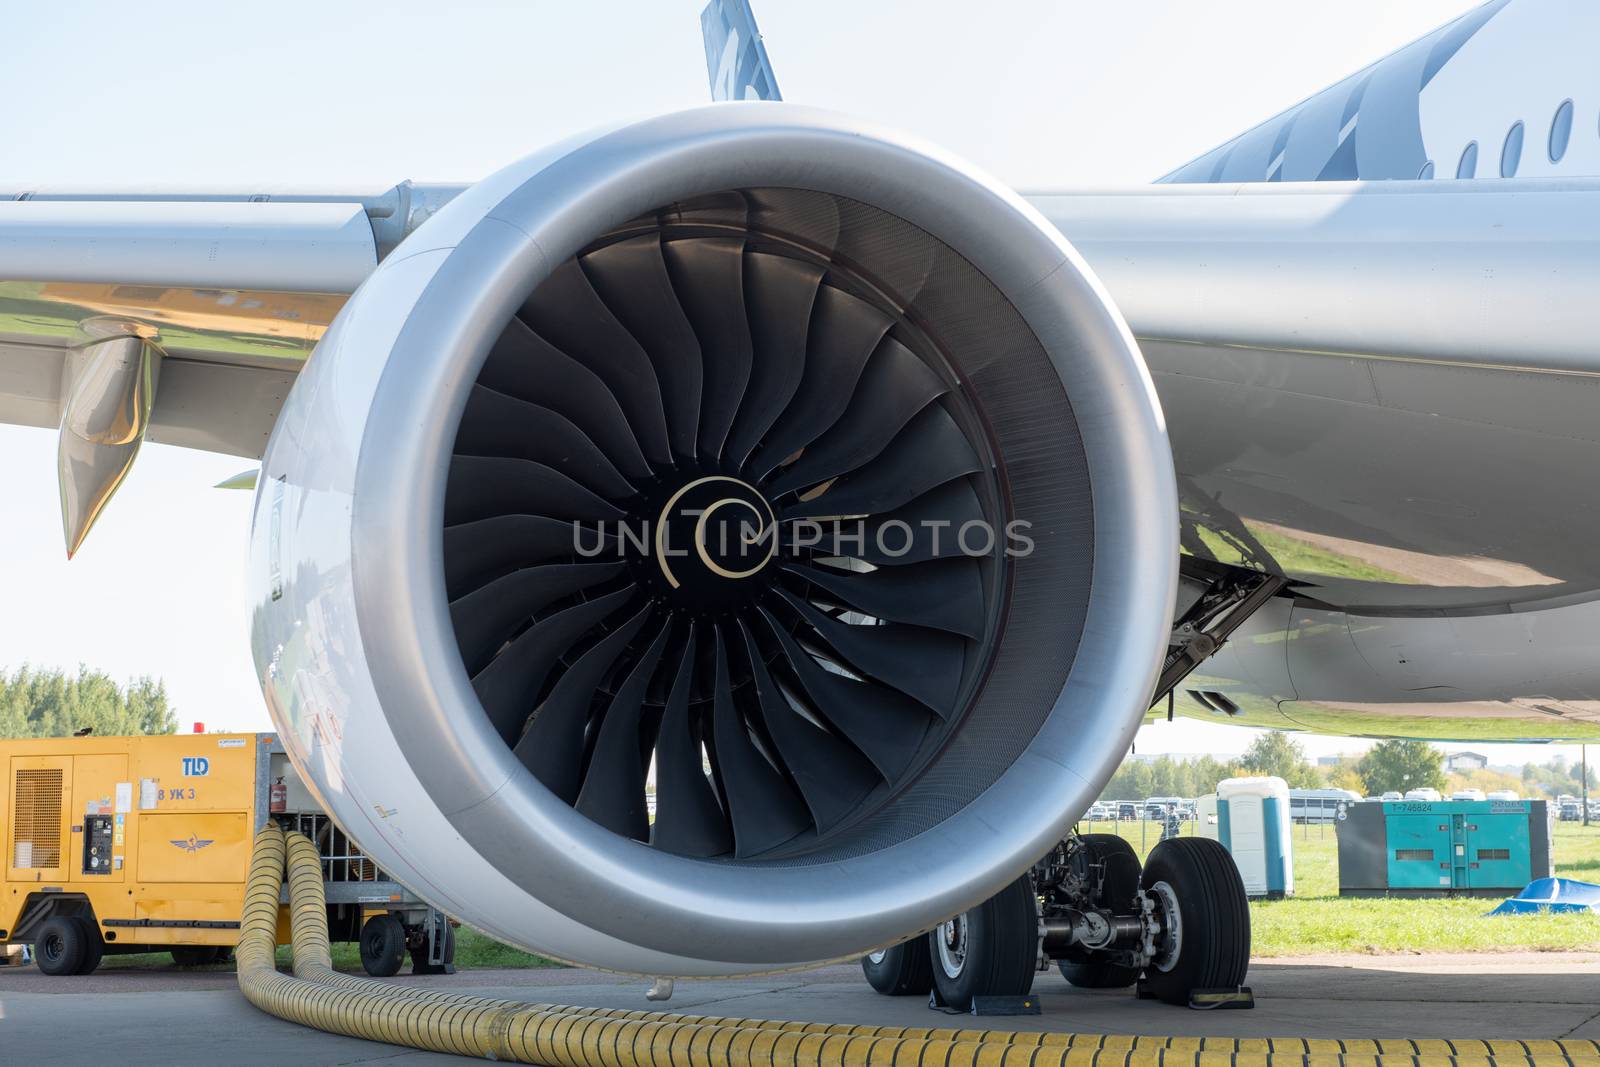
(278, 797)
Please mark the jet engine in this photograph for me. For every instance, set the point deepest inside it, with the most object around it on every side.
(723, 543)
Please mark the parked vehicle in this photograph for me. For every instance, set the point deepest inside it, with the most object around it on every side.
(1157, 807)
(1318, 805)
(1425, 793)
(1393, 794)
(1468, 794)
(1570, 811)
(1127, 811)
(1502, 794)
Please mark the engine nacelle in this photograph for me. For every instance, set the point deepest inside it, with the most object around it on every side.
(728, 542)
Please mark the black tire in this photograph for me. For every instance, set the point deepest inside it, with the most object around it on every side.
(195, 955)
(60, 944)
(1213, 946)
(419, 955)
(383, 946)
(905, 970)
(94, 946)
(1118, 865)
(990, 950)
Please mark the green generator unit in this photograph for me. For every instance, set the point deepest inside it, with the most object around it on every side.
(1418, 848)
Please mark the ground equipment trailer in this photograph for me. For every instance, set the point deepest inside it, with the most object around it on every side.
(142, 844)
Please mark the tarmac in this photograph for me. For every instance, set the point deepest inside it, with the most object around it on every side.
(177, 1018)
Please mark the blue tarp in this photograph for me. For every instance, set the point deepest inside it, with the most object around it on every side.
(1552, 894)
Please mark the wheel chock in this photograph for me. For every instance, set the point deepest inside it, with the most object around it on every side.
(1228, 997)
(1023, 1005)
(1237, 997)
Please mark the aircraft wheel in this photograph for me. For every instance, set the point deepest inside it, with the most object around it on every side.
(1201, 901)
(989, 950)
(900, 971)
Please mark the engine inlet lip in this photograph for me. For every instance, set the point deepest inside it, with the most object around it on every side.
(503, 237)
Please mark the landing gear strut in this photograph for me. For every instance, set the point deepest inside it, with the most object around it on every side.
(1182, 923)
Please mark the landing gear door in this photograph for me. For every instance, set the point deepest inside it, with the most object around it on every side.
(39, 837)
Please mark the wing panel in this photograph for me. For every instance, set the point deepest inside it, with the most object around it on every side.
(1498, 274)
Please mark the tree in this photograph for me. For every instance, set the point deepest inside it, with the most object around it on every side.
(44, 703)
(1165, 776)
(1401, 765)
(1276, 754)
(1345, 775)
(1556, 777)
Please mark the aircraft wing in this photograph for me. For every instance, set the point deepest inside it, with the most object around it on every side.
(180, 318)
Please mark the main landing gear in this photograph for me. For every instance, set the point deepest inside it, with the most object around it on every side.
(1182, 923)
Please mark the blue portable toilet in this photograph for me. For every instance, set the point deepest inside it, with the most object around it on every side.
(1253, 825)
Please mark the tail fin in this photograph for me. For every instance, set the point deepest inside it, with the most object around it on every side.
(736, 60)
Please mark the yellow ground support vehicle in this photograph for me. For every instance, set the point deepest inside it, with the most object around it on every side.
(142, 844)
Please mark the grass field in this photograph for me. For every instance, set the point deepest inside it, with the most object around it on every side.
(1317, 920)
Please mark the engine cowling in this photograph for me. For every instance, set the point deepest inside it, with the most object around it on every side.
(727, 542)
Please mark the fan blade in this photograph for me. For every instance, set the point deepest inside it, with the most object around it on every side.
(526, 366)
(896, 385)
(886, 726)
(631, 278)
(476, 552)
(946, 596)
(613, 785)
(924, 664)
(484, 618)
(844, 332)
(503, 426)
(778, 294)
(552, 745)
(689, 821)
(930, 452)
(833, 777)
(567, 311)
(708, 274)
(509, 687)
(481, 487)
(766, 812)
(928, 528)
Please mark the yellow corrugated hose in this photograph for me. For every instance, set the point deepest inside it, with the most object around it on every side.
(555, 1036)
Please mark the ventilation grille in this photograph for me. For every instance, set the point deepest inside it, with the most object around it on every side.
(38, 819)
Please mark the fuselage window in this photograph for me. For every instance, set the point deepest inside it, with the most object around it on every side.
(1468, 167)
(1560, 131)
(1511, 152)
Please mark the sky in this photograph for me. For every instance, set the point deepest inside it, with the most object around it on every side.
(360, 95)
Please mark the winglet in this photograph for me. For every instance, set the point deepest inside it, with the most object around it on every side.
(736, 60)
